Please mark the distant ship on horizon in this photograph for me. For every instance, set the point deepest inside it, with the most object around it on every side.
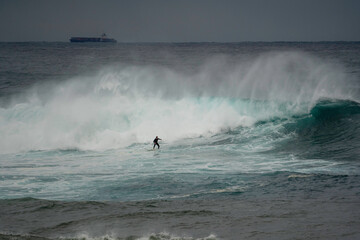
(103, 38)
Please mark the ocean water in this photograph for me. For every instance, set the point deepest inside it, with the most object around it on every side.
(259, 141)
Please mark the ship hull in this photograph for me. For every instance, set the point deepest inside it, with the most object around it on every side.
(92, 39)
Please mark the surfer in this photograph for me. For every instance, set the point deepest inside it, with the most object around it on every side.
(156, 142)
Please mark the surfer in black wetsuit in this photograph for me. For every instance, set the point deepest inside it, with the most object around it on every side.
(156, 142)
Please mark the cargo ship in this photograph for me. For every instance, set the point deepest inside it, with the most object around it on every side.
(103, 38)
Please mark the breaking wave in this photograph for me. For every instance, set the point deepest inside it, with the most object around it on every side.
(126, 104)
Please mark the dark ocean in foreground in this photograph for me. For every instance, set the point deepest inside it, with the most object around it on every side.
(259, 141)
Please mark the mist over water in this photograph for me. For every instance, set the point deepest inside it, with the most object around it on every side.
(254, 136)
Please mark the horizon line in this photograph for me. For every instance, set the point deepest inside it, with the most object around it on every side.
(176, 42)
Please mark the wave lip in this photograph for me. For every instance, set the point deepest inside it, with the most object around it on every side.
(327, 109)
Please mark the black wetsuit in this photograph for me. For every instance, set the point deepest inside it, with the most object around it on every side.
(156, 142)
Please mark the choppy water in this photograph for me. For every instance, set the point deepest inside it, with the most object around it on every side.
(260, 140)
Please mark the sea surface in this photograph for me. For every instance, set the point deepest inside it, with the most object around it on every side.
(259, 141)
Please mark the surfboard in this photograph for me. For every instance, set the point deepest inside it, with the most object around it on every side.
(155, 149)
(152, 149)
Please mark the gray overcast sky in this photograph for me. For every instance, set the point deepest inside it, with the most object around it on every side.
(181, 20)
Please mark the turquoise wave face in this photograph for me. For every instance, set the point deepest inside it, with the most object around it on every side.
(330, 131)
